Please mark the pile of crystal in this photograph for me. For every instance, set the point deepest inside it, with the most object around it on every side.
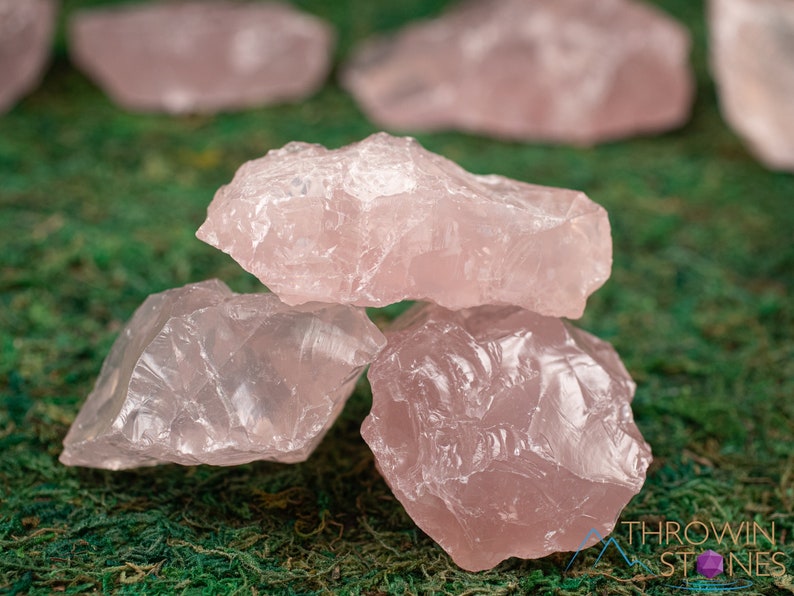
(566, 71)
(502, 432)
(752, 60)
(26, 29)
(202, 56)
(385, 220)
(203, 375)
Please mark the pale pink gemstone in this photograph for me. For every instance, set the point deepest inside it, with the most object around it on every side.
(385, 220)
(26, 29)
(567, 71)
(503, 433)
(202, 56)
(752, 59)
(203, 375)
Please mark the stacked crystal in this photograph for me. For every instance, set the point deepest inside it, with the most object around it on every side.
(201, 375)
(502, 429)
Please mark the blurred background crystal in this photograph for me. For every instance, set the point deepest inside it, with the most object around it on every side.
(202, 56)
(566, 71)
(26, 31)
(752, 60)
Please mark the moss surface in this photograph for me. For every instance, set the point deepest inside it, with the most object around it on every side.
(99, 208)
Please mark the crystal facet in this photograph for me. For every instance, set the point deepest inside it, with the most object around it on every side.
(709, 564)
(203, 375)
(26, 28)
(202, 56)
(752, 59)
(502, 432)
(569, 71)
(385, 220)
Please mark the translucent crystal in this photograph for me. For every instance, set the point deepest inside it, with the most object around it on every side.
(203, 375)
(503, 433)
(26, 28)
(568, 71)
(752, 59)
(385, 220)
(202, 56)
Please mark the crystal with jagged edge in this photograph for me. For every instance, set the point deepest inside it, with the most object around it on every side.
(26, 28)
(385, 220)
(566, 71)
(202, 56)
(203, 375)
(503, 433)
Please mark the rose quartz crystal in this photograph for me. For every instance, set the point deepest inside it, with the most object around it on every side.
(752, 59)
(503, 433)
(385, 220)
(202, 56)
(567, 71)
(26, 28)
(203, 375)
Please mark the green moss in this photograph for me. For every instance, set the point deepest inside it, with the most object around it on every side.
(99, 208)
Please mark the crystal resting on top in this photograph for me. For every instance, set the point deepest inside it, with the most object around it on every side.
(503, 433)
(385, 220)
(203, 375)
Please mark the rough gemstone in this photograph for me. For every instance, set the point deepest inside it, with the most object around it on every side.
(568, 71)
(385, 220)
(503, 433)
(709, 564)
(752, 59)
(202, 56)
(26, 29)
(203, 375)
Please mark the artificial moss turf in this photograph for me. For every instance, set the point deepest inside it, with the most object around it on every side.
(99, 208)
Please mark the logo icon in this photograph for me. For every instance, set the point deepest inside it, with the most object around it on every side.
(607, 543)
(709, 564)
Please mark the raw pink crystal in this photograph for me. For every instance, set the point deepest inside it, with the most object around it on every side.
(203, 375)
(503, 433)
(385, 220)
(568, 71)
(752, 59)
(202, 56)
(26, 28)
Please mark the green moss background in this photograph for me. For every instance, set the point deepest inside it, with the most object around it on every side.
(98, 209)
